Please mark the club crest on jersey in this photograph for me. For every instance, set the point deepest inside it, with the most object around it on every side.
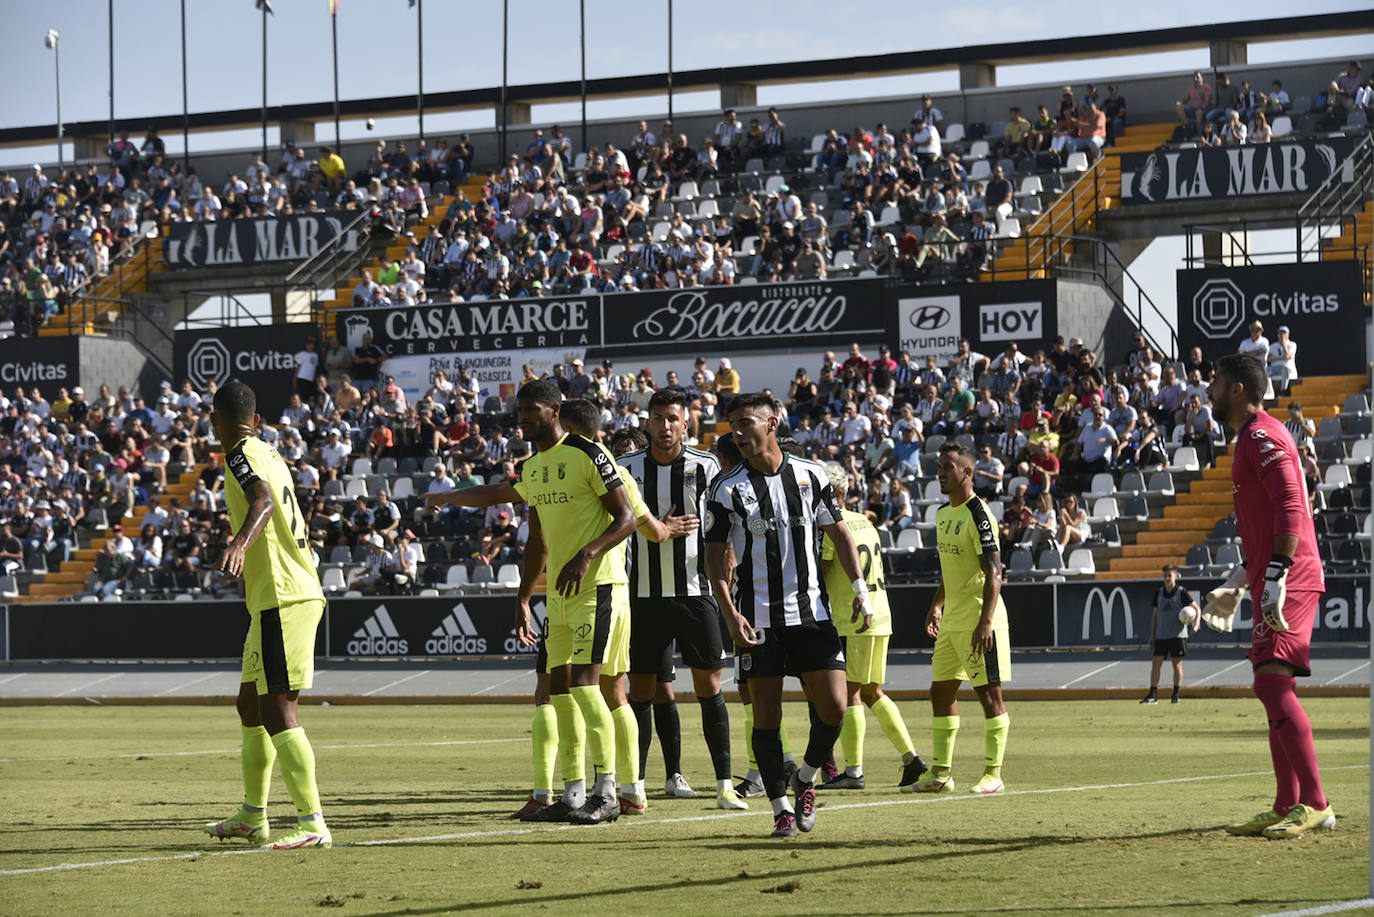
(563, 469)
(804, 489)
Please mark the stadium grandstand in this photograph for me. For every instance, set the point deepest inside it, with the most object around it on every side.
(111, 473)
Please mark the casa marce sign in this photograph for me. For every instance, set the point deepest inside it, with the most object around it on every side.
(1207, 173)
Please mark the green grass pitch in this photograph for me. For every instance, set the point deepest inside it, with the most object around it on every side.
(1089, 825)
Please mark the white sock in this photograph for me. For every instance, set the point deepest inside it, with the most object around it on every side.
(754, 776)
(806, 773)
(781, 805)
(575, 793)
(637, 789)
(605, 784)
(723, 785)
(856, 771)
(786, 756)
(541, 795)
(908, 757)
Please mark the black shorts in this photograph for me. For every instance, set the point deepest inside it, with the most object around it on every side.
(694, 621)
(1177, 647)
(793, 651)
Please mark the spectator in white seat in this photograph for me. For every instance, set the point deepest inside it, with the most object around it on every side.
(1256, 345)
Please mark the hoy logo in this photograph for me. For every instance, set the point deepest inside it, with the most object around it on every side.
(1011, 321)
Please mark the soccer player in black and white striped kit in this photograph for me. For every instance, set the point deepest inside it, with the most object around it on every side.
(772, 509)
(670, 597)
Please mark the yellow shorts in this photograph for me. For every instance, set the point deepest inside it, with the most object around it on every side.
(954, 659)
(865, 659)
(590, 628)
(279, 652)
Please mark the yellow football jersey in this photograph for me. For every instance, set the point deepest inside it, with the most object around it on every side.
(841, 591)
(278, 567)
(965, 533)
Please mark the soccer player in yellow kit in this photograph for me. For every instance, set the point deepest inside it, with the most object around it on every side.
(285, 604)
(865, 654)
(969, 623)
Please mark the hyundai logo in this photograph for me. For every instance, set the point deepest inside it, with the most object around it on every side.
(929, 318)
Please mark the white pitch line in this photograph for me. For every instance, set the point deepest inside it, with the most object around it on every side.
(9, 678)
(1358, 904)
(1220, 672)
(230, 751)
(505, 681)
(1344, 674)
(1090, 674)
(717, 816)
(399, 681)
(194, 681)
(88, 684)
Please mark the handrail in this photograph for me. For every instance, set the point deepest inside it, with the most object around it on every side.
(1336, 199)
(331, 262)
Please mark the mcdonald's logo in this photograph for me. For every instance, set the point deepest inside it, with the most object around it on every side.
(1106, 603)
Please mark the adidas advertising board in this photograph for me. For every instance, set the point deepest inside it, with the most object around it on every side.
(261, 356)
(1320, 301)
(256, 240)
(1099, 613)
(1210, 173)
(45, 363)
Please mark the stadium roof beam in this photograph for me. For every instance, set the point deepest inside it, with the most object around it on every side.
(1226, 42)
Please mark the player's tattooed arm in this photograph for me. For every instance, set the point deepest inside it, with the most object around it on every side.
(260, 507)
(991, 562)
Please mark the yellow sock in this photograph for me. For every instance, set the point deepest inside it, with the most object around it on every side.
(572, 735)
(626, 744)
(749, 736)
(544, 739)
(256, 758)
(600, 728)
(943, 729)
(298, 770)
(852, 738)
(890, 718)
(995, 743)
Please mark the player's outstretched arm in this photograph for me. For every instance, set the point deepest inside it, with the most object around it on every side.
(260, 507)
(531, 566)
(848, 556)
(670, 526)
(479, 496)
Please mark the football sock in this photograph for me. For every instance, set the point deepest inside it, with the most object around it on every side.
(894, 727)
(605, 784)
(641, 710)
(786, 742)
(995, 743)
(600, 727)
(544, 741)
(626, 744)
(575, 792)
(943, 729)
(749, 737)
(668, 725)
(298, 771)
(257, 757)
(572, 736)
(768, 750)
(818, 748)
(781, 804)
(1285, 778)
(1289, 721)
(715, 725)
(852, 738)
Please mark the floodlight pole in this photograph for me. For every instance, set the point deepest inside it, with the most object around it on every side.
(53, 41)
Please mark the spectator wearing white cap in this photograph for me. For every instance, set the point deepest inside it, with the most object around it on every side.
(1283, 360)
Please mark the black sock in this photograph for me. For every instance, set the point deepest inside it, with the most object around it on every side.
(669, 728)
(646, 735)
(715, 724)
(821, 746)
(817, 721)
(768, 753)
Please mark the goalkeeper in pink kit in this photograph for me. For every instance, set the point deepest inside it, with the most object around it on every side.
(1283, 575)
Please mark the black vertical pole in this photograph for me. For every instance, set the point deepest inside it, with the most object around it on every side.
(420, 57)
(264, 82)
(185, 98)
(334, 24)
(505, 53)
(110, 24)
(669, 59)
(582, 33)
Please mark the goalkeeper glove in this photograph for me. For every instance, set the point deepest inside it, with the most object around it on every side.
(1275, 590)
(1220, 607)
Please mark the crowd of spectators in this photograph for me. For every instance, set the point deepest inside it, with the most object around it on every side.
(1225, 114)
